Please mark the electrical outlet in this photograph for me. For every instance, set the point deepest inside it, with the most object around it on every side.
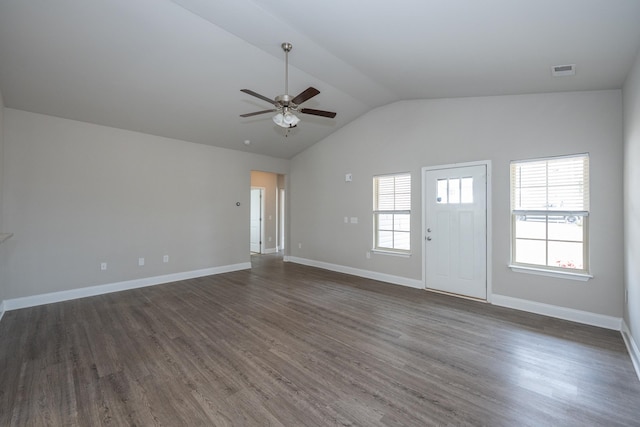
(165, 258)
(140, 262)
(368, 254)
(299, 245)
(103, 266)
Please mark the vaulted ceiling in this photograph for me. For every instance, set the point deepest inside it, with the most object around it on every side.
(175, 68)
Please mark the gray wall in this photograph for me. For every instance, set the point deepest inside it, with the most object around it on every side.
(77, 194)
(408, 135)
(631, 96)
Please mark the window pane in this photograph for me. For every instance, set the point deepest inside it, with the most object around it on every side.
(442, 191)
(385, 239)
(560, 229)
(530, 227)
(402, 222)
(531, 252)
(454, 190)
(385, 221)
(384, 193)
(466, 190)
(566, 255)
(402, 190)
(554, 184)
(392, 199)
(534, 198)
(402, 240)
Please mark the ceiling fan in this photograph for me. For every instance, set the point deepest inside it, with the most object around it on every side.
(286, 105)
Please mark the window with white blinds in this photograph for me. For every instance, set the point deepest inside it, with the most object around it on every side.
(549, 213)
(392, 212)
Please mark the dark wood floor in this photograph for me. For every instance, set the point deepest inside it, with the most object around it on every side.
(288, 345)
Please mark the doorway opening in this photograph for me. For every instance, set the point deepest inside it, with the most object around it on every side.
(267, 219)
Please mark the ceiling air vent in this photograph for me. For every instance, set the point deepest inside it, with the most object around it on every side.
(563, 70)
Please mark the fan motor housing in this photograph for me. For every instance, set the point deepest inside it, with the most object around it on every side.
(284, 99)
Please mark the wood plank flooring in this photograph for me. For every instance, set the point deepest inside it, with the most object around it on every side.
(288, 345)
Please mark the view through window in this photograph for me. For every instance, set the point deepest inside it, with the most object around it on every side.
(392, 212)
(549, 213)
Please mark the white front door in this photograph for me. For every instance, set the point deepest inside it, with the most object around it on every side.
(456, 230)
(255, 222)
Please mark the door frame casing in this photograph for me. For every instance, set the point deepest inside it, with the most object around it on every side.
(489, 217)
(262, 203)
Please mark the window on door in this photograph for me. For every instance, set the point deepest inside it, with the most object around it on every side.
(550, 212)
(455, 190)
(392, 213)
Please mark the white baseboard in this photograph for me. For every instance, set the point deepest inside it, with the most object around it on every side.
(579, 316)
(632, 347)
(34, 300)
(271, 251)
(396, 280)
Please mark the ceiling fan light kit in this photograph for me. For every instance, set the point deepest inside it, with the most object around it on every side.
(285, 105)
(286, 119)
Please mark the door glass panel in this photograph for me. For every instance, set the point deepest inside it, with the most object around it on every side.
(454, 190)
(442, 191)
(466, 190)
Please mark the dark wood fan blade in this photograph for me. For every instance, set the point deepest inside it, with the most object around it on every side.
(305, 95)
(322, 113)
(257, 95)
(258, 112)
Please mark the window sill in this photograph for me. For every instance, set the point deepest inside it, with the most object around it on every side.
(549, 273)
(392, 253)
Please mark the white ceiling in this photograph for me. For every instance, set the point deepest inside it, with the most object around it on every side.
(175, 68)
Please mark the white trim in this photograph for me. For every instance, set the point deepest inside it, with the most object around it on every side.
(270, 251)
(632, 347)
(489, 219)
(391, 253)
(34, 300)
(544, 159)
(550, 273)
(579, 316)
(396, 280)
(1, 309)
(263, 191)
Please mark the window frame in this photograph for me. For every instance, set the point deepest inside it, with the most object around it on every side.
(545, 269)
(377, 212)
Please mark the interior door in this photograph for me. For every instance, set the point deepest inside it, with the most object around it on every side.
(456, 230)
(255, 222)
